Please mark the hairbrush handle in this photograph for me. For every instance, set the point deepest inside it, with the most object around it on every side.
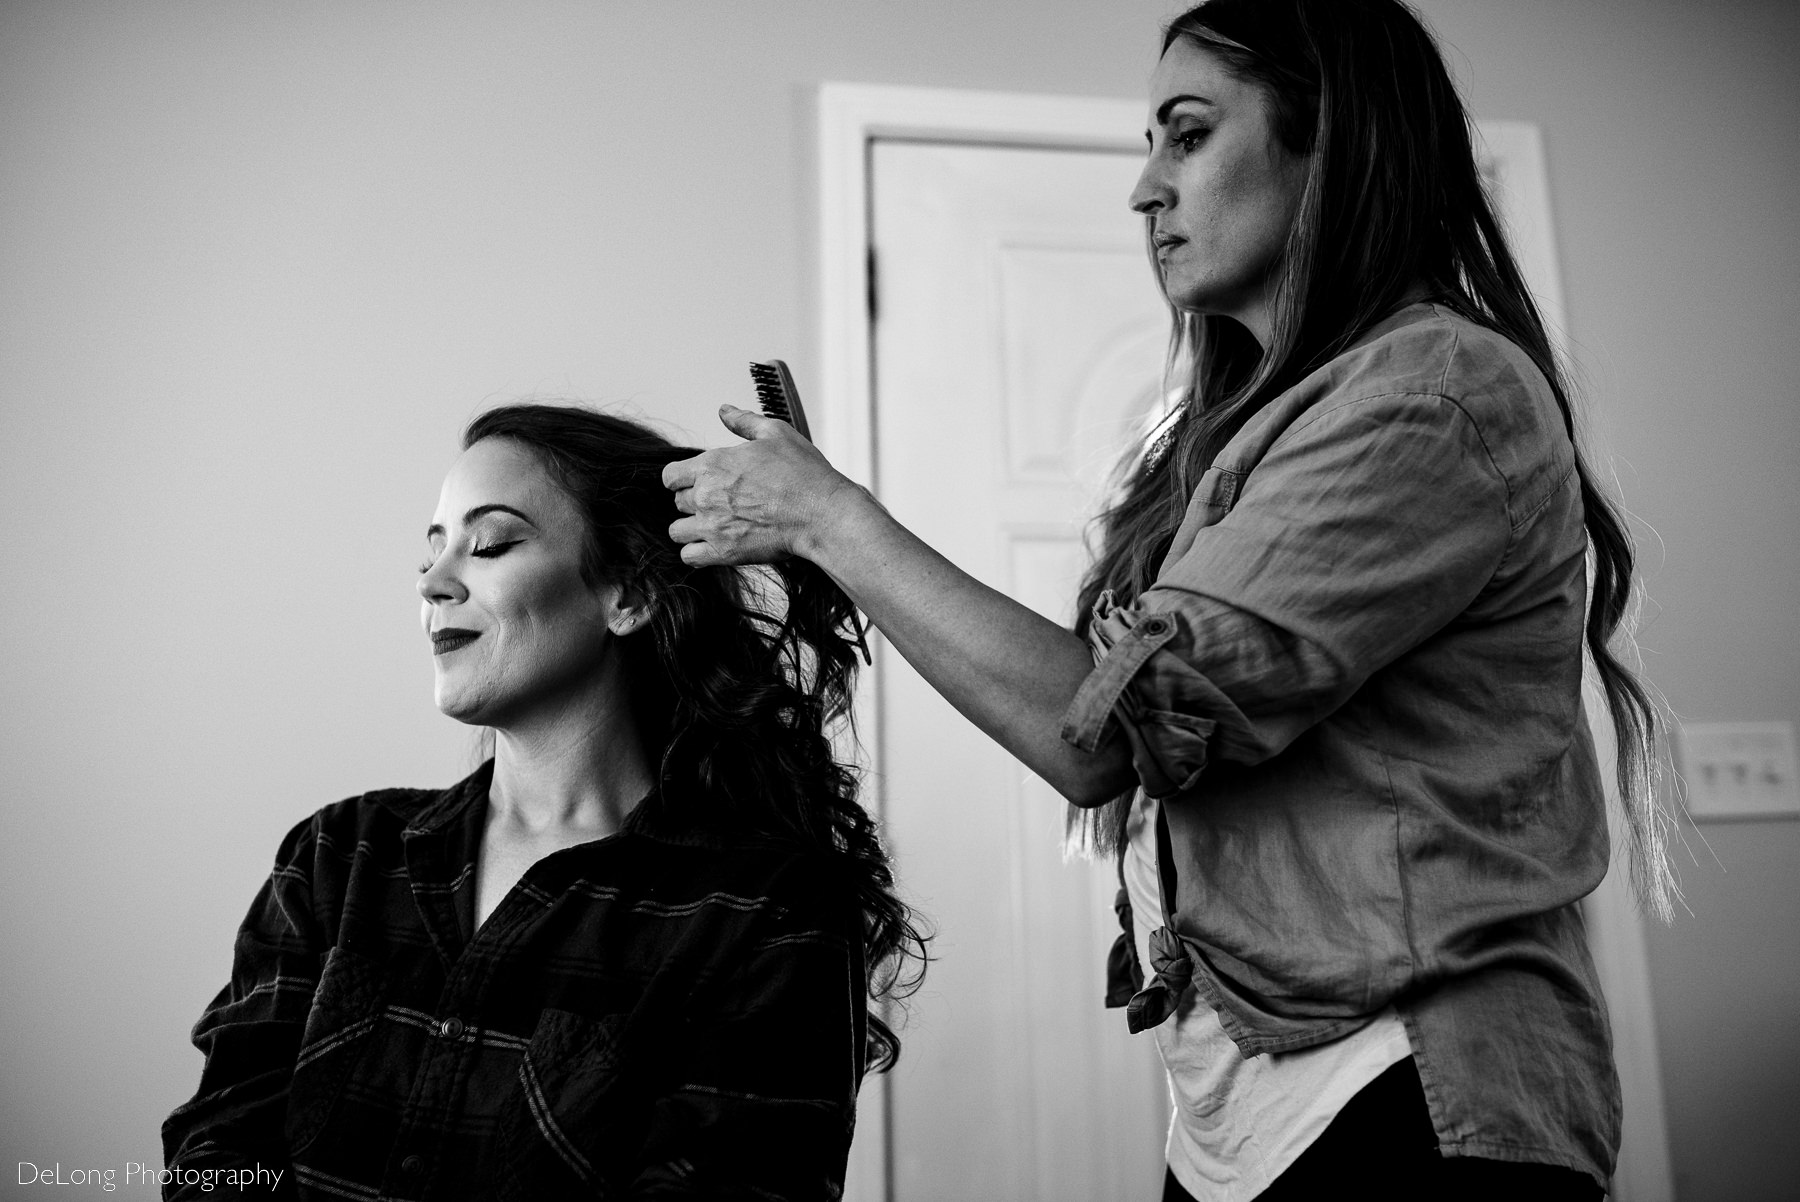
(776, 393)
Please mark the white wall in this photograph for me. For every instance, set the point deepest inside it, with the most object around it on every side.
(259, 262)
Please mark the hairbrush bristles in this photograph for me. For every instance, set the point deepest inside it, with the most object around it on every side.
(768, 391)
(776, 393)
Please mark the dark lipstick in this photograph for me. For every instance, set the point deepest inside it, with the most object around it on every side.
(450, 638)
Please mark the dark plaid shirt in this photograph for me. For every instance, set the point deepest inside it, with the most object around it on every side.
(653, 1014)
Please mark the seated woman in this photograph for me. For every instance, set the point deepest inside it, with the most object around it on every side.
(633, 954)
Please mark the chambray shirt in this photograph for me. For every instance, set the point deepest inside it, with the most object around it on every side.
(1355, 686)
(661, 1013)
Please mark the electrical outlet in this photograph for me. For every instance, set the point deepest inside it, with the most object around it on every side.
(1740, 769)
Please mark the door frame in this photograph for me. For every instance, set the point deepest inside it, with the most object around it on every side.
(1615, 924)
(851, 117)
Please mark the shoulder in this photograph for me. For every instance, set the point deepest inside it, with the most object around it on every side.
(812, 903)
(812, 882)
(1424, 348)
(372, 820)
(773, 878)
(1428, 368)
(379, 811)
(1428, 352)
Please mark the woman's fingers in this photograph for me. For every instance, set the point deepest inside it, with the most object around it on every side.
(690, 533)
(752, 502)
(699, 555)
(681, 473)
(747, 423)
(685, 473)
(707, 540)
(725, 522)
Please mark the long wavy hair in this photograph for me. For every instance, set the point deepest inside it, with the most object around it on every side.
(1392, 200)
(737, 682)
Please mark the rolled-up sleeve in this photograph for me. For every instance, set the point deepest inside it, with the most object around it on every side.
(1363, 531)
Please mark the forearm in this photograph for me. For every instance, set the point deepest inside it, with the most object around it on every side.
(251, 1032)
(236, 1119)
(1006, 668)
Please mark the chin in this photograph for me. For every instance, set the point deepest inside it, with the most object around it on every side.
(464, 705)
(467, 716)
(1199, 300)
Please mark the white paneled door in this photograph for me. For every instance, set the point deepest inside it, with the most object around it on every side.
(1018, 344)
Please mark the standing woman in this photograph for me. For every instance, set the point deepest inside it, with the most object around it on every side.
(1325, 703)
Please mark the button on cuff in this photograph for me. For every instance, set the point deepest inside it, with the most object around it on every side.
(1085, 720)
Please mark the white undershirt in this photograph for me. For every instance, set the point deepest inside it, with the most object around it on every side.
(1235, 1124)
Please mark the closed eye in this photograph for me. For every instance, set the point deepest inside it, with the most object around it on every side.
(491, 551)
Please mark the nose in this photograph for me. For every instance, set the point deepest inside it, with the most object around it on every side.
(1152, 194)
(440, 583)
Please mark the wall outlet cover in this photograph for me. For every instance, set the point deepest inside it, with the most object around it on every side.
(1740, 769)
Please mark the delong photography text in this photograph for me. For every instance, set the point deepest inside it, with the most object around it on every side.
(145, 1173)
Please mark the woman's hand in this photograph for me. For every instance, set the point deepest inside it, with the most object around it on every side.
(1009, 670)
(757, 502)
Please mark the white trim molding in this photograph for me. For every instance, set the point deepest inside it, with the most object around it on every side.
(1513, 160)
(1521, 189)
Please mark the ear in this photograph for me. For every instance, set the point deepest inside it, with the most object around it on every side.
(631, 610)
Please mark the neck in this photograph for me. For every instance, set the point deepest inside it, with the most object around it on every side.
(1258, 316)
(1258, 321)
(582, 768)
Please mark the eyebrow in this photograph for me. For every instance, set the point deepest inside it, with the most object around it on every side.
(1163, 109)
(479, 511)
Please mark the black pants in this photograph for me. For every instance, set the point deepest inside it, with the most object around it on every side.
(1381, 1145)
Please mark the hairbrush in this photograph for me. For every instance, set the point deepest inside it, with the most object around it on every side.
(779, 399)
(776, 393)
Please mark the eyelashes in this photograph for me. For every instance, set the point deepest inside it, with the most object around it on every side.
(491, 551)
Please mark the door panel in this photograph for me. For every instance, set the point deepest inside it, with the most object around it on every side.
(1018, 349)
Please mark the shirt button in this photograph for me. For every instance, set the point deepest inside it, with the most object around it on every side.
(412, 1164)
(451, 1028)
